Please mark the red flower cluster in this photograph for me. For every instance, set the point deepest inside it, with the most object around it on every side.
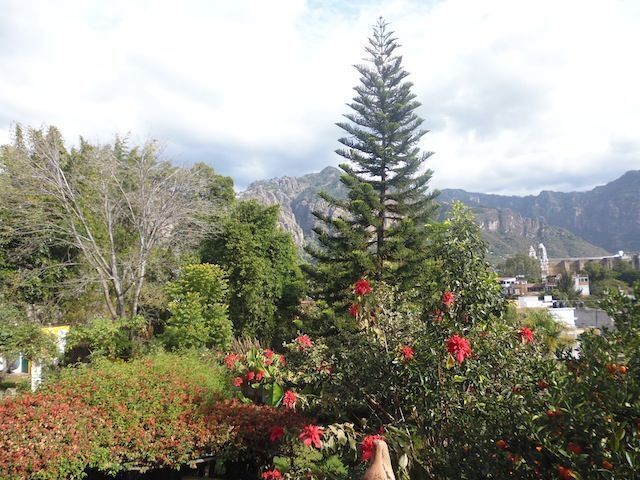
(276, 433)
(407, 353)
(238, 381)
(271, 474)
(353, 310)
(526, 335)
(304, 341)
(368, 445)
(268, 355)
(459, 347)
(448, 298)
(312, 435)
(231, 359)
(290, 399)
(362, 287)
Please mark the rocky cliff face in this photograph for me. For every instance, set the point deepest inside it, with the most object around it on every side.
(298, 199)
(608, 215)
(506, 221)
(507, 232)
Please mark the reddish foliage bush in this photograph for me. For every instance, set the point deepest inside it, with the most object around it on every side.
(250, 426)
(150, 413)
(48, 434)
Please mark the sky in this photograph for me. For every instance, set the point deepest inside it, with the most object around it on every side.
(518, 96)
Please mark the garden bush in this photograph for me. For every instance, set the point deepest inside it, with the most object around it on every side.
(198, 309)
(158, 411)
(103, 337)
(458, 388)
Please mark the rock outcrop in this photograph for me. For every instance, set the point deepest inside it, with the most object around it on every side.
(608, 217)
(298, 199)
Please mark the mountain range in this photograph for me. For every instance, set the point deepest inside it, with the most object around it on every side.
(570, 224)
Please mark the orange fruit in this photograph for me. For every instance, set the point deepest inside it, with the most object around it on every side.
(564, 473)
(574, 448)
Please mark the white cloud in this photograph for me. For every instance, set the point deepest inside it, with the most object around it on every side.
(518, 96)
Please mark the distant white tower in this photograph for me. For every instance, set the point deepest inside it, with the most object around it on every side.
(544, 261)
(532, 252)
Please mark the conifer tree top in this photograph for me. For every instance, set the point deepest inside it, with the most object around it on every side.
(378, 231)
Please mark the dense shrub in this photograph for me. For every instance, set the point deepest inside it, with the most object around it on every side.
(48, 436)
(198, 309)
(594, 431)
(462, 390)
(160, 411)
(122, 338)
(21, 336)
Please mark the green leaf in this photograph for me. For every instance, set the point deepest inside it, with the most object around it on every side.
(277, 393)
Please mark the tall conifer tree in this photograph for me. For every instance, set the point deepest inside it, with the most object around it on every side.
(378, 230)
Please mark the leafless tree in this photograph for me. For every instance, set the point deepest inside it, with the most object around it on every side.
(111, 203)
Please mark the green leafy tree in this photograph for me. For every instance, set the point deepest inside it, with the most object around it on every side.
(19, 336)
(566, 289)
(265, 281)
(378, 230)
(197, 303)
(457, 263)
(521, 264)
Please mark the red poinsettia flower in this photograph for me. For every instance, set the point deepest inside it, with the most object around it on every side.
(238, 381)
(353, 310)
(259, 376)
(459, 347)
(368, 445)
(231, 359)
(448, 298)
(304, 341)
(407, 353)
(526, 334)
(271, 474)
(283, 361)
(268, 353)
(276, 433)
(312, 435)
(362, 287)
(290, 399)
